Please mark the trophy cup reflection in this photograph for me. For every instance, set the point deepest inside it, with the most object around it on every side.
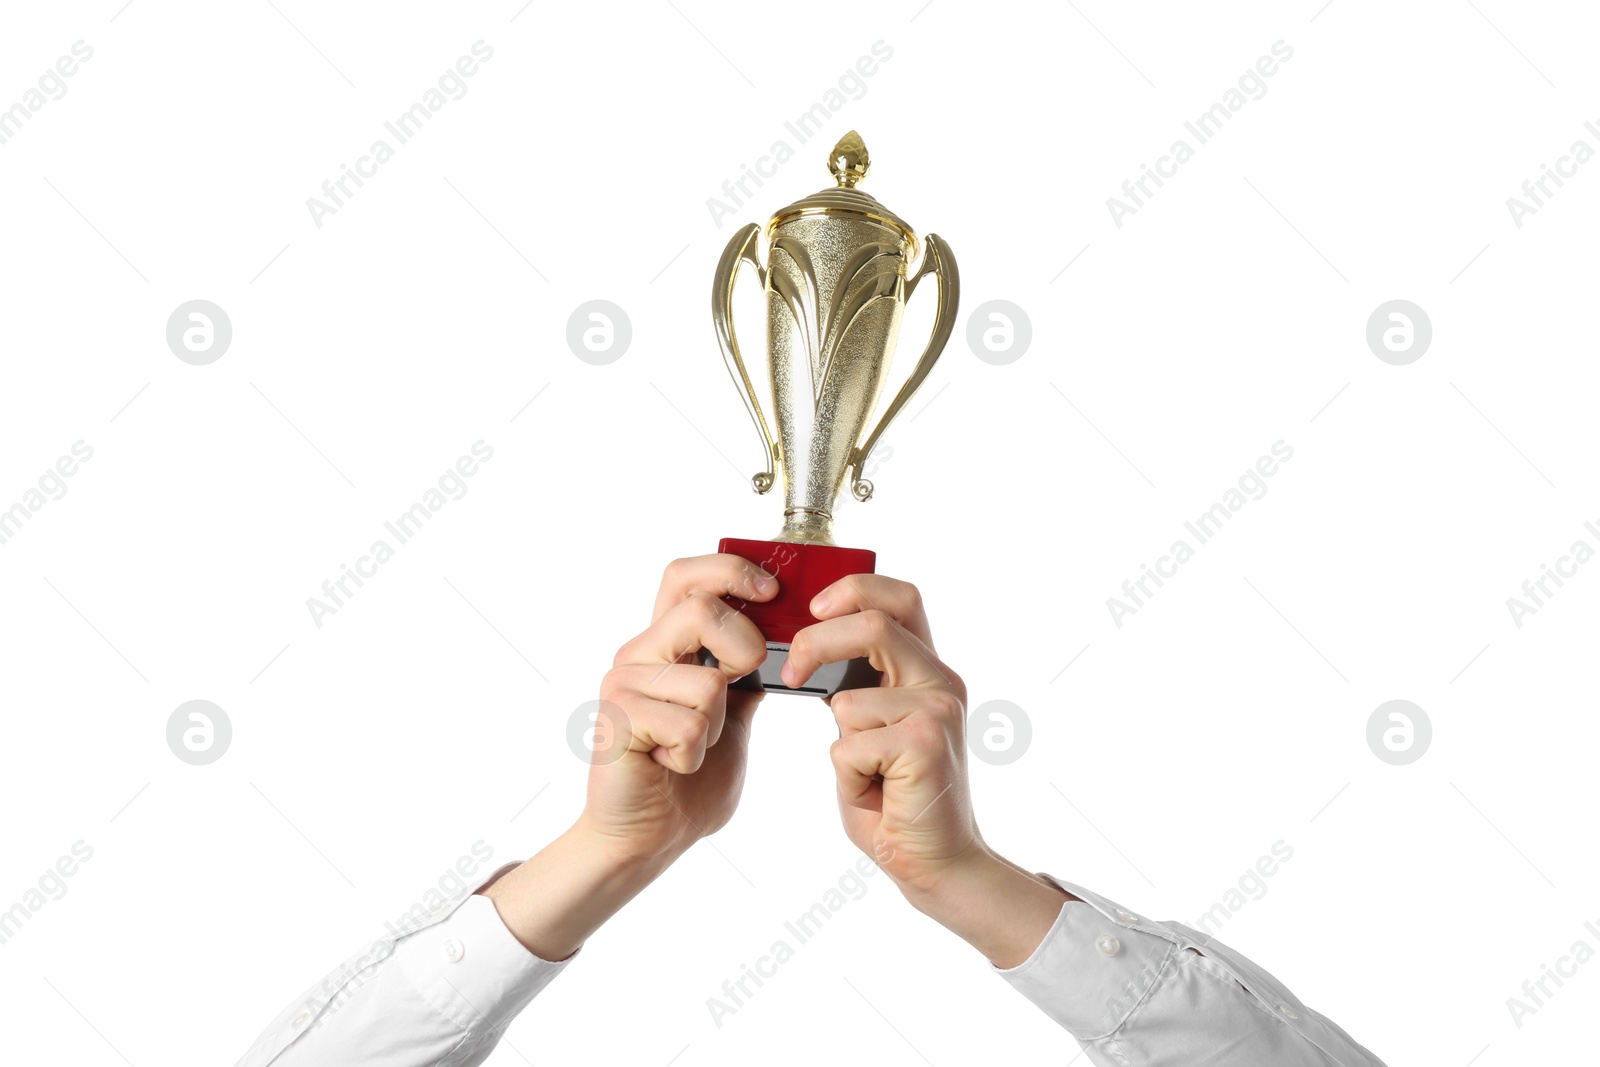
(836, 289)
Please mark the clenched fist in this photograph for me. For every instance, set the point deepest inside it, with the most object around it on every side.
(673, 767)
(901, 764)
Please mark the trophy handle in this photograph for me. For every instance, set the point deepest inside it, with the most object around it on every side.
(938, 261)
(742, 248)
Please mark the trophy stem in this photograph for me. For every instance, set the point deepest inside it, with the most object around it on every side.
(806, 526)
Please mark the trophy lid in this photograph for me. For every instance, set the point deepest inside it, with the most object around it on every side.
(849, 163)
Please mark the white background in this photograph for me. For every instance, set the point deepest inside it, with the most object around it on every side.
(368, 354)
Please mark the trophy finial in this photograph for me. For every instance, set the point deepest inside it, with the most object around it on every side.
(849, 161)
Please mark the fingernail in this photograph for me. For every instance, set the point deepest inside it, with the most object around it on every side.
(819, 603)
(787, 674)
(765, 583)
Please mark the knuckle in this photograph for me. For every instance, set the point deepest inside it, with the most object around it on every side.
(693, 727)
(924, 732)
(675, 572)
(613, 714)
(877, 625)
(614, 686)
(946, 705)
(706, 684)
(843, 703)
(707, 607)
(741, 661)
(836, 753)
(624, 655)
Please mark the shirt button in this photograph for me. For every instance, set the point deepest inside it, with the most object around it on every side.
(1108, 945)
(300, 1020)
(1126, 916)
(453, 950)
(1287, 1012)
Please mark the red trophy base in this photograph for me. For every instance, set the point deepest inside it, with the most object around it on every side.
(802, 571)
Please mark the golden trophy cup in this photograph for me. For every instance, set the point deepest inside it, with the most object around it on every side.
(836, 283)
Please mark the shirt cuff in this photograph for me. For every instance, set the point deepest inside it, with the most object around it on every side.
(1093, 967)
(471, 970)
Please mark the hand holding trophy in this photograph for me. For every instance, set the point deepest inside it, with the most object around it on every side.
(836, 287)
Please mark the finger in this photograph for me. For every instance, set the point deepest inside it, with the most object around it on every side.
(700, 620)
(906, 758)
(687, 685)
(854, 768)
(675, 737)
(856, 710)
(719, 575)
(901, 601)
(864, 762)
(903, 659)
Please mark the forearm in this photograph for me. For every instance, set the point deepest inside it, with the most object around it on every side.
(991, 903)
(556, 900)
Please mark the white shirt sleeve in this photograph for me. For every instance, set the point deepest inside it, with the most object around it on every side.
(1136, 992)
(437, 993)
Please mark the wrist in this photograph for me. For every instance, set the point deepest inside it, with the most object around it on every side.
(997, 907)
(626, 854)
(942, 888)
(553, 902)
